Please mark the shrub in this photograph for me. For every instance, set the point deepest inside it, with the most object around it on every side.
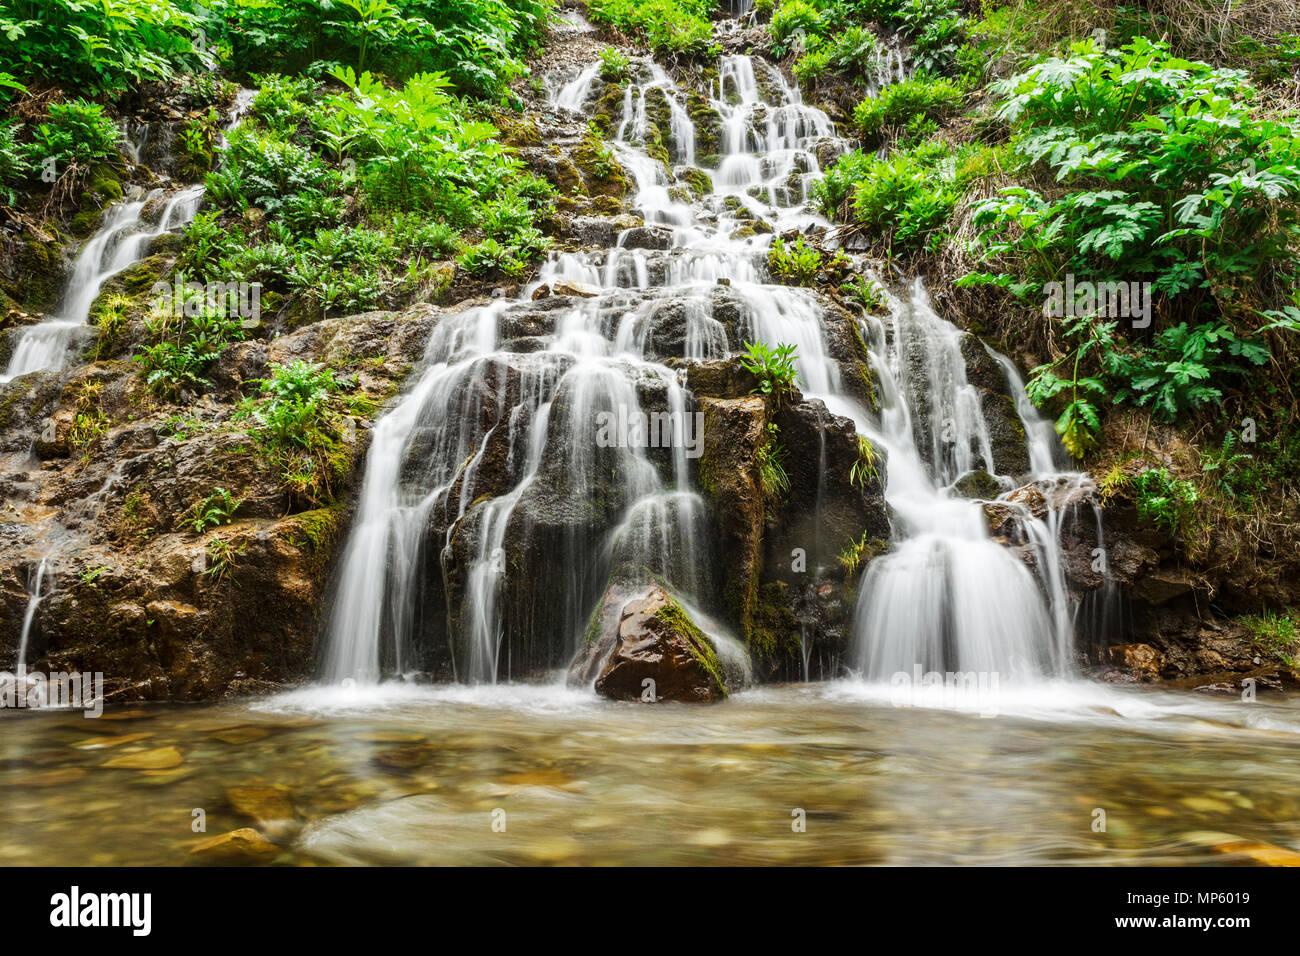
(75, 132)
(615, 65)
(791, 21)
(1169, 177)
(796, 264)
(478, 44)
(896, 105)
(105, 45)
(668, 27)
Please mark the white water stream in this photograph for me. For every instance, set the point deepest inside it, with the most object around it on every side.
(946, 597)
(122, 240)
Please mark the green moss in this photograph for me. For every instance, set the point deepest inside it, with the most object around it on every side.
(862, 366)
(660, 143)
(40, 275)
(858, 554)
(138, 279)
(698, 644)
(608, 108)
(698, 181)
(708, 125)
(83, 223)
(7, 402)
(517, 130)
(592, 632)
(321, 525)
(772, 633)
(601, 170)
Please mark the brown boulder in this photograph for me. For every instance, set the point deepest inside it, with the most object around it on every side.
(1142, 659)
(653, 653)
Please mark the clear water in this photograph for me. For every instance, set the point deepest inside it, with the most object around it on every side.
(411, 775)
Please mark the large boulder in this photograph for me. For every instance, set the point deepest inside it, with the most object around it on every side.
(645, 647)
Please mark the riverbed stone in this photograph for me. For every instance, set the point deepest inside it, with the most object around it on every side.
(240, 847)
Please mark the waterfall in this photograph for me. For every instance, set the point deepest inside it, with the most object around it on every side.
(491, 517)
(440, 531)
(948, 598)
(122, 240)
(33, 602)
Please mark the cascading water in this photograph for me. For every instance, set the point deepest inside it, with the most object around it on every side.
(466, 474)
(948, 598)
(122, 240)
(428, 465)
(29, 616)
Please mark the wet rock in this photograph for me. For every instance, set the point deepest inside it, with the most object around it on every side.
(654, 652)
(267, 806)
(804, 602)
(977, 484)
(720, 378)
(240, 363)
(244, 846)
(52, 440)
(648, 237)
(1142, 660)
(574, 287)
(162, 758)
(541, 292)
(1161, 586)
(1006, 434)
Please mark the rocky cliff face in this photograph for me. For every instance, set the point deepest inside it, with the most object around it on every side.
(132, 589)
(104, 480)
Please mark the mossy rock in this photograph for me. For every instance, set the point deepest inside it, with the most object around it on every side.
(772, 634)
(601, 170)
(39, 271)
(977, 484)
(517, 130)
(195, 165)
(699, 182)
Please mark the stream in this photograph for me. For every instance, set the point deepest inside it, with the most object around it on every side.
(399, 774)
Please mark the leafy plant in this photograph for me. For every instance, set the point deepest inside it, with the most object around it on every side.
(77, 132)
(864, 468)
(796, 264)
(615, 65)
(222, 556)
(297, 423)
(1277, 633)
(896, 105)
(774, 368)
(213, 511)
(1163, 500)
(104, 45)
(866, 292)
(668, 27)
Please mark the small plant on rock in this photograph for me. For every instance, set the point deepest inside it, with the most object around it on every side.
(213, 511)
(774, 368)
(796, 264)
